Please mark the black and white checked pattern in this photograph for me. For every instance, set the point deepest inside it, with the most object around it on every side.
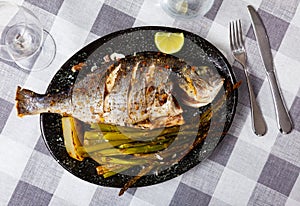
(243, 170)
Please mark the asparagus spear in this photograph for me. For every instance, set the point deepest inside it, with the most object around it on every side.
(131, 150)
(144, 149)
(136, 134)
(97, 134)
(101, 146)
(119, 161)
(115, 171)
(110, 170)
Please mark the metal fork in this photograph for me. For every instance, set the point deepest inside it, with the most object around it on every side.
(239, 53)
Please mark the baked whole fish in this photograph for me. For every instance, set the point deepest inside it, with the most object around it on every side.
(144, 90)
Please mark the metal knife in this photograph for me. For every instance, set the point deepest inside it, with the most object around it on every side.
(284, 122)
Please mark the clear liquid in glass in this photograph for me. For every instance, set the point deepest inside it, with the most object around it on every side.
(23, 40)
(186, 9)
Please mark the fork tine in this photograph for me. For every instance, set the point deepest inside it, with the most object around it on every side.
(237, 34)
(240, 32)
(232, 36)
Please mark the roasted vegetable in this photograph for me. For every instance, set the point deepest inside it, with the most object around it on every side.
(71, 134)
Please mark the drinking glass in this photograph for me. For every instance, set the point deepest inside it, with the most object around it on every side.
(23, 39)
(186, 9)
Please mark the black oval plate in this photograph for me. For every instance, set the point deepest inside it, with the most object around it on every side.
(196, 50)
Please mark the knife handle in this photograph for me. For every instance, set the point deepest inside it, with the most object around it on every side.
(258, 123)
(284, 121)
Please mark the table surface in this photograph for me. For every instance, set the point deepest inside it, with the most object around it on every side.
(243, 170)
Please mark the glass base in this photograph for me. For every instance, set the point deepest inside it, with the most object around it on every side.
(186, 9)
(41, 59)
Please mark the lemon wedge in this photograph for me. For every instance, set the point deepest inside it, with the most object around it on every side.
(168, 42)
(182, 6)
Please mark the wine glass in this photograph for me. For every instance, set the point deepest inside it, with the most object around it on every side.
(186, 9)
(23, 39)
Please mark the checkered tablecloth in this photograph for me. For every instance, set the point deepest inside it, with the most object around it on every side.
(243, 170)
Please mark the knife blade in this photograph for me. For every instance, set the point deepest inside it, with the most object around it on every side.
(284, 122)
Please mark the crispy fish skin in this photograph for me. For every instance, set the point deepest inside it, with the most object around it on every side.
(143, 90)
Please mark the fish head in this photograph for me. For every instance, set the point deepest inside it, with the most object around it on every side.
(199, 86)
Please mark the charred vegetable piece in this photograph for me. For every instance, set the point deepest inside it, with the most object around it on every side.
(72, 139)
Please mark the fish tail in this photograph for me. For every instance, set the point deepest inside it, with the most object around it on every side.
(26, 102)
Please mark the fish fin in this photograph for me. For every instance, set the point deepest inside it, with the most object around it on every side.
(31, 103)
(24, 101)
